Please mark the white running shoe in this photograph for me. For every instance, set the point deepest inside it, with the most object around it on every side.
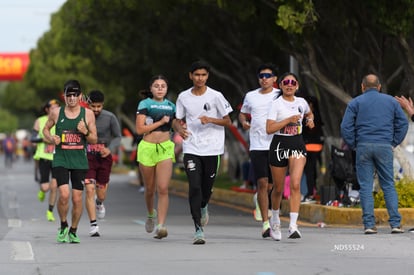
(150, 223)
(94, 231)
(161, 232)
(294, 233)
(100, 211)
(275, 232)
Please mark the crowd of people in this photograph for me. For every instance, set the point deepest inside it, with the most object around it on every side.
(75, 144)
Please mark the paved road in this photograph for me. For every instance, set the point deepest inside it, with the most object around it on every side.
(234, 244)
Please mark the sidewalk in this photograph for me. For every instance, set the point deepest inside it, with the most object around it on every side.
(310, 213)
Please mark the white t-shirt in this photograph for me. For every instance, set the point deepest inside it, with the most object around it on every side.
(207, 139)
(281, 109)
(257, 105)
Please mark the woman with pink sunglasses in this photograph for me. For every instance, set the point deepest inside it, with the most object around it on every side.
(287, 149)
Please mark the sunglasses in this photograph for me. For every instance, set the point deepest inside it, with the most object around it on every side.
(72, 95)
(265, 75)
(289, 81)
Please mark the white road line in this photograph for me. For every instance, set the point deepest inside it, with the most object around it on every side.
(22, 251)
(14, 223)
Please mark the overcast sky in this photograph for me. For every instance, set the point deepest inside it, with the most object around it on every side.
(23, 22)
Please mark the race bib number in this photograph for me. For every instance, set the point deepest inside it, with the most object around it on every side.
(71, 140)
(291, 130)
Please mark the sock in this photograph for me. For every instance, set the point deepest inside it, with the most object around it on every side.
(51, 208)
(94, 223)
(151, 215)
(266, 225)
(275, 216)
(293, 218)
(63, 224)
(72, 230)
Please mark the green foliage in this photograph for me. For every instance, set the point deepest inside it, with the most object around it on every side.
(295, 15)
(8, 122)
(405, 190)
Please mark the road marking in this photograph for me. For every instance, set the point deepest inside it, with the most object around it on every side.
(22, 251)
(14, 223)
(140, 222)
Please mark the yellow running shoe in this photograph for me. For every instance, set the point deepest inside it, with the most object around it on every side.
(41, 195)
(49, 216)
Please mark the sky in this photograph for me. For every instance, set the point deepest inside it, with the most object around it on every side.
(23, 22)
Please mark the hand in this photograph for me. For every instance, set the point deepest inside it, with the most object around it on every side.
(295, 118)
(56, 139)
(165, 119)
(246, 125)
(205, 119)
(82, 127)
(105, 152)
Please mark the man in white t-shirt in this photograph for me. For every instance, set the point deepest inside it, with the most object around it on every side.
(202, 113)
(256, 105)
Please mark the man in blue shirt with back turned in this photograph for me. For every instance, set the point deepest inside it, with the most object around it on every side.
(373, 124)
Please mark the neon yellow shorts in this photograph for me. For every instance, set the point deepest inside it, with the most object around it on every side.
(149, 154)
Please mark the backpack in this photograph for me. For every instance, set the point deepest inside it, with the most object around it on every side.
(342, 165)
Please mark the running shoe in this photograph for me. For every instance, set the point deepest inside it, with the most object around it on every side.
(199, 237)
(369, 231)
(94, 231)
(149, 224)
(397, 230)
(100, 211)
(411, 230)
(41, 195)
(62, 236)
(266, 230)
(49, 216)
(275, 232)
(204, 216)
(294, 233)
(161, 232)
(257, 215)
(73, 238)
(141, 189)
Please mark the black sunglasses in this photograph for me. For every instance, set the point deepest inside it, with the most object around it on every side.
(265, 75)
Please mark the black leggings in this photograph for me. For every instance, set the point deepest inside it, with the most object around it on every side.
(201, 172)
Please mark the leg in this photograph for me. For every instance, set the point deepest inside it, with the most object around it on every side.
(296, 165)
(193, 169)
(384, 163)
(77, 207)
(163, 175)
(148, 175)
(90, 199)
(365, 174)
(63, 202)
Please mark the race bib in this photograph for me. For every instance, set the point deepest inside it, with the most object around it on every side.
(95, 148)
(71, 140)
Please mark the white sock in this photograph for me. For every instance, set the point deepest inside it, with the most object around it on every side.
(293, 219)
(275, 216)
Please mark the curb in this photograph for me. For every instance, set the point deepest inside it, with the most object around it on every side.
(310, 213)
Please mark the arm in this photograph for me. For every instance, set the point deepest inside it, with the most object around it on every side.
(243, 121)
(181, 128)
(116, 134)
(51, 121)
(88, 128)
(309, 118)
(225, 121)
(272, 126)
(348, 127)
(142, 128)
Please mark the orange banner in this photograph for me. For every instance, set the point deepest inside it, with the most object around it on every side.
(13, 66)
